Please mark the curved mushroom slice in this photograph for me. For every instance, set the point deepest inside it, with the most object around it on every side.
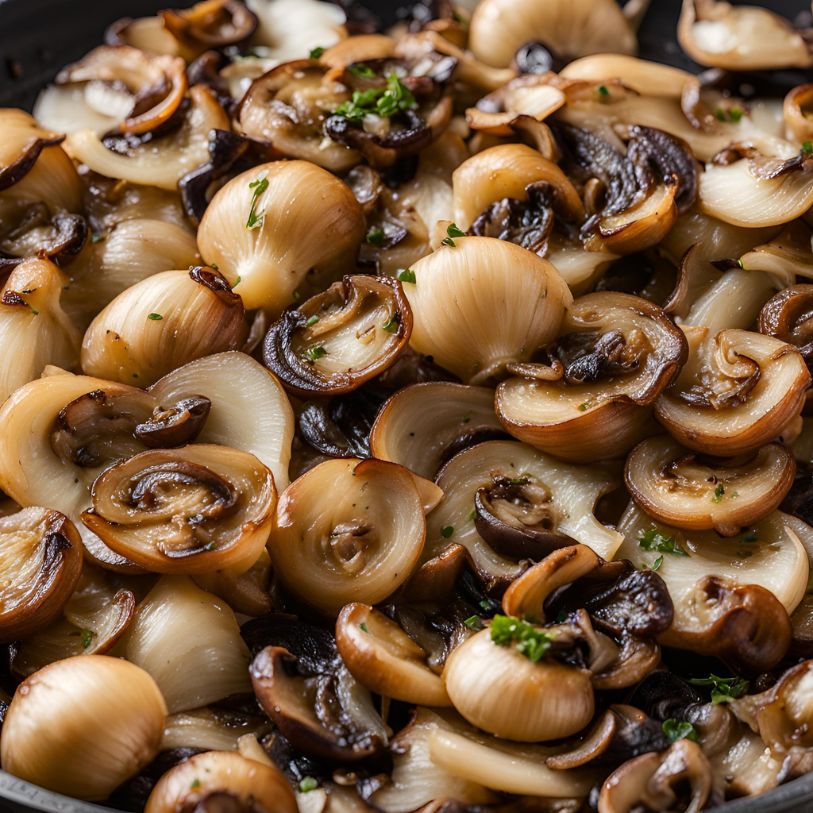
(23, 142)
(731, 595)
(94, 618)
(161, 323)
(192, 510)
(42, 562)
(787, 256)
(499, 27)
(737, 392)
(382, 657)
(788, 316)
(507, 302)
(506, 171)
(686, 490)
(189, 641)
(358, 48)
(114, 87)
(748, 187)
(361, 544)
(615, 355)
(504, 501)
(34, 329)
(210, 24)
(641, 75)
(247, 230)
(339, 339)
(248, 410)
(798, 113)
(161, 161)
(740, 38)
(424, 425)
(221, 780)
(38, 234)
(660, 781)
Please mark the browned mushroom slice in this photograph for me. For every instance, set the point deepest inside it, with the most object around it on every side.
(176, 426)
(288, 106)
(788, 316)
(39, 234)
(679, 778)
(356, 49)
(615, 355)
(192, 510)
(798, 110)
(94, 619)
(211, 24)
(740, 38)
(115, 87)
(23, 142)
(423, 426)
(318, 714)
(341, 338)
(738, 391)
(42, 561)
(687, 490)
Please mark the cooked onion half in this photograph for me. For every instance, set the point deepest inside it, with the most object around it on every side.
(731, 595)
(481, 304)
(161, 323)
(422, 426)
(505, 502)
(684, 489)
(266, 228)
(249, 408)
(192, 510)
(359, 543)
(737, 392)
(341, 338)
(41, 564)
(616, 353)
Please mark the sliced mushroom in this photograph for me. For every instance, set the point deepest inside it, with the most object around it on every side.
(341, 338)
(740, 38)
(161, 323)
(504, 501)
(247, 233)
(192, 510)
(498, 28)
(362, 545)
(210, 24)
(382, 657)
(23, 144)
(686, 490)
(479, 337)
(798, 110)
(42, 564)
(787, 316)
(615, 355)
(423, 426)
(737, 392)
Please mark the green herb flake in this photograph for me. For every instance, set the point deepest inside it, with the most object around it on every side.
(315, 53)
(452, 231)
(307, 784)
(385, 102)
(237, 281)
(195, 784)
(678, 730)
(375, 236)
(362, 70)
(392, 324)
(527, 639)
(723, 690)
(315, 353)
(406, 275)
(472, 515)
(446, 531)
(155, 317)
(363, 627)
(474, 622)
(255, 218)
(87, 638)
(654, 540)
(34, 311)
(656, 565)
(719, 493)
(488, 605)
(584, 406)
(312, 320)
(603, 91)
(807, 147)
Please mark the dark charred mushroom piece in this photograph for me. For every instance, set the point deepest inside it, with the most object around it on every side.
(59, 237)
(646, 274)
(212, 23)
(788, 316)
(18, 169)
(341, 427)
(175, 426)
(419, 14)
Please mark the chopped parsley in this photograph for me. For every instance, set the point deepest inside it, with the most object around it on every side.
(375, 236)
(678, 730)
(362, 70)
(255, 219)
(385, 102)
(315, 353)
(363, 627)
(391, 325)
(654, 540)
(527, 639)
(315, 53)
(719, 493)
(807, 147)
(723, 689)
(87, 638)
(584, 406)
(34, 311)
(307, 784)
(195, 784)
(733, 114)
(657, 563)
(156, 317)
(406, 275)
(452, 231)
(603, 91)
(474, 622)
(312, 320)
(446, 531)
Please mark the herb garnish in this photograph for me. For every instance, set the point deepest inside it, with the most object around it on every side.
(678, 730)
(603, 91)
(527, 639)
(452, 230)
(807, 147)
(719, 493)
(156, 317)
(733, 114)
(314, 353)
(396, 97)
(307, 784)
(723, 689)
(446, 531)
(315, 53)
(87, 638)
(312, 320)
(362, 70)
(255, 219)
(406, 275)
(375, 236)
(653, 539)
(363, 627)
(391, 325)
(474, 622)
